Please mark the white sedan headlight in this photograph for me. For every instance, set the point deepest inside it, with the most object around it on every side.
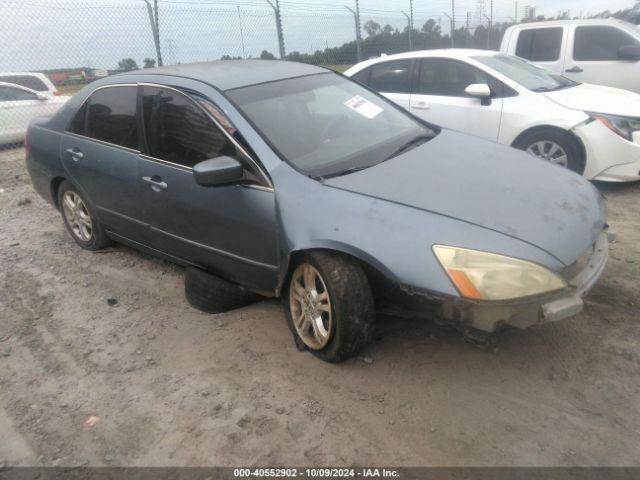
(623, 126)
(488, 276)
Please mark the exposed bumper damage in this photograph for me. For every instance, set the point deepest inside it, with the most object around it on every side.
(490, 316)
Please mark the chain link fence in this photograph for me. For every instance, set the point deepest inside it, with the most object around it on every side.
(52, 48)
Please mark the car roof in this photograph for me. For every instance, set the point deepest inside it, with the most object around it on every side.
(230, 74)
(459, 53)
(577, 21)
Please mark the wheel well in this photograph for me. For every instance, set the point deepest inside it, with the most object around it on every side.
(55, 185)
(377, 280)
(570, 135)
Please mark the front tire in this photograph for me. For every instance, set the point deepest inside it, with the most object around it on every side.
(555, 147)
(329, 306)
(80, 219)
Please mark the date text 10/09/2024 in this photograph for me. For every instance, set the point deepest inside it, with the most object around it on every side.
(315, 473)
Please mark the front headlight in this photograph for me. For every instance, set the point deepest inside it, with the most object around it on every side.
(488, 276)
(623, 126)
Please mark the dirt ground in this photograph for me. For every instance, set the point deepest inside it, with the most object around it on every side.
(172, 386)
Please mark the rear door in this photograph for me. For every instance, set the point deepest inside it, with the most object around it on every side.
(100, 153)
(544, 46)
(439, 97)
(231, 230)
(391, 79)
(593, 57)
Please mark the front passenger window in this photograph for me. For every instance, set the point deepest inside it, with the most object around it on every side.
(178, 131)
(447, 78)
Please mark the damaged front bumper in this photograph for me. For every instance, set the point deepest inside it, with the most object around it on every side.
(489, 316)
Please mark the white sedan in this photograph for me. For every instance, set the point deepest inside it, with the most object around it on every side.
(593, 130)
(18, 105)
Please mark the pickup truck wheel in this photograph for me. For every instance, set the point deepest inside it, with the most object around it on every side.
(555, 147)
(80, 219)
(329, 306)
(212, 294)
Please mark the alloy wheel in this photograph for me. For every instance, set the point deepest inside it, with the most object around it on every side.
(77, 215)
(310, 306)
(550, 151)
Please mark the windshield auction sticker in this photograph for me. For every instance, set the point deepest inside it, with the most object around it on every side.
(363, 106)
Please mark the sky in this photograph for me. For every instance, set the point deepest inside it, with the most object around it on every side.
(45, 34)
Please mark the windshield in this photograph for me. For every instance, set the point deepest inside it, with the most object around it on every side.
(326, 125)
(526, 74)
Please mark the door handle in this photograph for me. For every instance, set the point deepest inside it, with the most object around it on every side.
(156, 183)
(75, 154)
(421, 106)
(575, 69)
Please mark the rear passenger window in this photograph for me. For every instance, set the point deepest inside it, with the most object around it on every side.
(12, 94)
(178, 131)
(600, 43)
(362, 76)
(540, 44)
(112, 116)
(391, 77)
(29, 81)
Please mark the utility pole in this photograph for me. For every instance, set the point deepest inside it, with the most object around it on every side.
(244, 53)
(490, 24)
(488, 31)
(467, 30)
(409, 28)
(453, 22)
(155, 30)
(516, 14)
(356, 16)
(452, 26)
(276, 11)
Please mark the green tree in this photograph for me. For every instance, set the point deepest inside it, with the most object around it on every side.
(265, 55)
(148, 63)
(127, 64)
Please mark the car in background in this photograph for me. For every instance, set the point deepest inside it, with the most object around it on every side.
(38, 82)
(590, 129)
(600, 51)
(293, 181)
(19, 105)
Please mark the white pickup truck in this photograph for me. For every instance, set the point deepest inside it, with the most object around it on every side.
(602, 51)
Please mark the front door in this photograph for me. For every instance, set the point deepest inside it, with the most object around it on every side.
(592, 57)
(230, 230)
(100, 154)
(392, 79)
(439, 97)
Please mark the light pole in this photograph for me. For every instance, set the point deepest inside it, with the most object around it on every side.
(356, 17)
(155, 30)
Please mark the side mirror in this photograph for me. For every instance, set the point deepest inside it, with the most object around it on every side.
(42, 96)
(629, 52)
(218, 171)
(481, 91)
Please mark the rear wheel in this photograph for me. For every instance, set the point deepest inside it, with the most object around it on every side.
(80, 219)
(555, 147)
(329, 306)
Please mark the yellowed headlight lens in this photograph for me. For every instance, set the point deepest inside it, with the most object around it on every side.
(488, 276)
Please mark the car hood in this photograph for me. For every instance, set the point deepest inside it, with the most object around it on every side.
(491, 186)
(598, 99)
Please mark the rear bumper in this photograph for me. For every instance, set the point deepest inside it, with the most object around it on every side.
(489, 316)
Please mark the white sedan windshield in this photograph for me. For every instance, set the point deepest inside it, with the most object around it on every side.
(526, 74)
